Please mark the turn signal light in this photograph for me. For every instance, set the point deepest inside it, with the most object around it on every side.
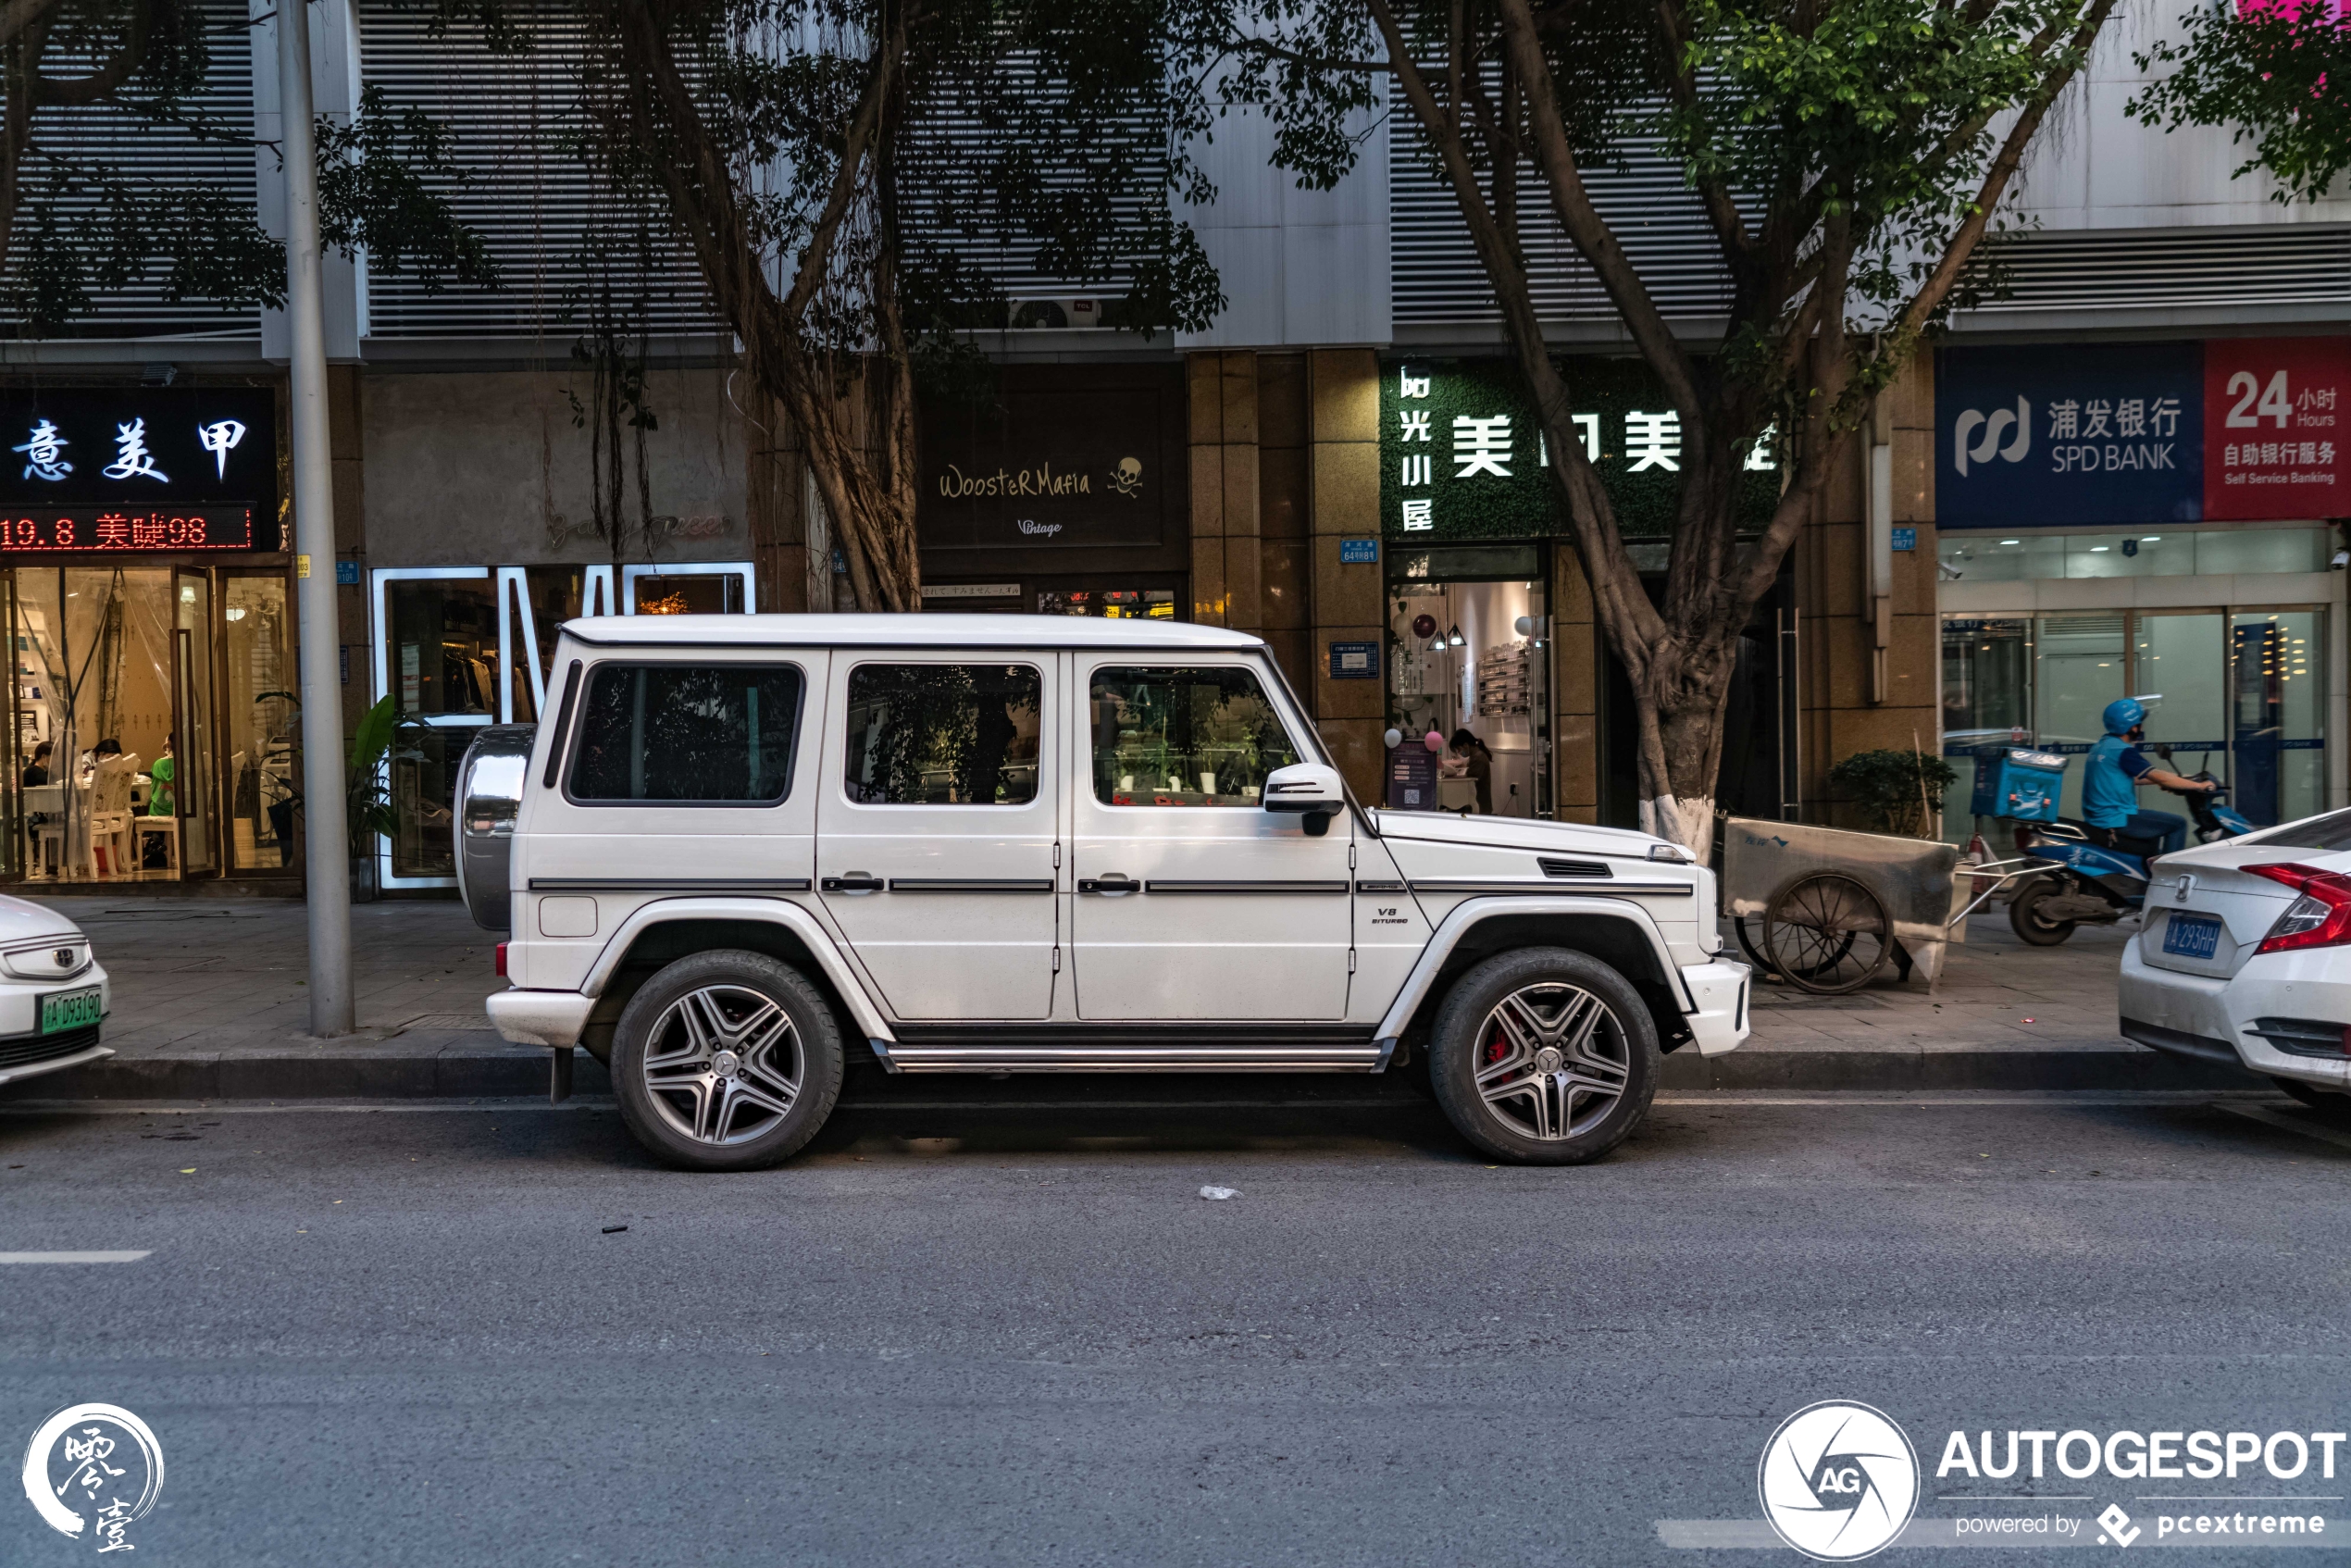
(501, 961)
(2320, 917)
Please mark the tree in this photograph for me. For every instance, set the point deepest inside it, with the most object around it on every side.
(835, 166)
(74, 223)
(1850, 157)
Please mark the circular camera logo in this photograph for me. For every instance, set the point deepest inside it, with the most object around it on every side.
(93, 1471)
(1839, 1481)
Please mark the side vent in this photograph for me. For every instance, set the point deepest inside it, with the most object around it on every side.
(1582, 870)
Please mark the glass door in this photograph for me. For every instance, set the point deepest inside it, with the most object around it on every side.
(438, 654)
(193, 782)
(2178, 656)
(257, 723)
(2080, 666)
(2277, 705)
(1987, 703)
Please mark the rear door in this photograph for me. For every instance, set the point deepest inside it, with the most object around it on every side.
(936, 831)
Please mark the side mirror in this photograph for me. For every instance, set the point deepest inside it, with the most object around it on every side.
(1308, 788)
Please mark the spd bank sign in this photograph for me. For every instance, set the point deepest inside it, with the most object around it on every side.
(2064, 435)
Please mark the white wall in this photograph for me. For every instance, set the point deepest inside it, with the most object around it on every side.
(1297, 266)
(2094, 166)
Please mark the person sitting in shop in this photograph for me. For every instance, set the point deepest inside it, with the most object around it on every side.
(1479, 765)
(2110, 779)
(37, 772)
(159, 801)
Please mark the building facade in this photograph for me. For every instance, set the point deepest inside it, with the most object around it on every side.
(2123, 476)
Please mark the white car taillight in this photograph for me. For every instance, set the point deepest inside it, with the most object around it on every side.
(2320, 917)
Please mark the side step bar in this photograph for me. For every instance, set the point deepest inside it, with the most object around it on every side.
(1109, 1056)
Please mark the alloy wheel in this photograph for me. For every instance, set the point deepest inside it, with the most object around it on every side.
(1552, 1060)
(723, 1064)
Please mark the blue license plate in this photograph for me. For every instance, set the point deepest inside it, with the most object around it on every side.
(2192, 936)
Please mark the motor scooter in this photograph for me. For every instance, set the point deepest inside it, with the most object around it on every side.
(2089, 885)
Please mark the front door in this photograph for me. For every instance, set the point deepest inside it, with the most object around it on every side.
(1193, 901)
(936, 841)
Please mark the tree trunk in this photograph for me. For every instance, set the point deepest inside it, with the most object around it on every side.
(833, 396)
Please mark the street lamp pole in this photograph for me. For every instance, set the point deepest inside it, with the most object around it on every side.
(328, 844)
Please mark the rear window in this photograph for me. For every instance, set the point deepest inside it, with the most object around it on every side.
(706, 734)
(2330, 832)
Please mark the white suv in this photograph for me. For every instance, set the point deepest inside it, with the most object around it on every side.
(750, 844)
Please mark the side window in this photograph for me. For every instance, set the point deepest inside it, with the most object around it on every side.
(1184, 738)
(943, 734)
(707, 734)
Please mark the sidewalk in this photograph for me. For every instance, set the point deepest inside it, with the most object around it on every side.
(211, 1002)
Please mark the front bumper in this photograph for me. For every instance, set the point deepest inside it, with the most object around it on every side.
(2209, 1016)
(29, 1056)
(1719, 991)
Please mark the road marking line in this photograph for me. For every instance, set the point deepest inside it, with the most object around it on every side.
(70, 1257)
(2280, 1119)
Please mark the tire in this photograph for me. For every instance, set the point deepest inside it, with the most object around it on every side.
(1517, 1084)
(2318, 1098)
(726, 1060)
(2026, 921)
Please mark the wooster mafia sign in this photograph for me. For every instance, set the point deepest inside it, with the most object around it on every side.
(2063, 435)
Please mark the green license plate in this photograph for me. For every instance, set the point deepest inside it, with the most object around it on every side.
(69, 1009)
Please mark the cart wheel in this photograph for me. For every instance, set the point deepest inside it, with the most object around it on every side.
(1826, 934)
(1751, 943)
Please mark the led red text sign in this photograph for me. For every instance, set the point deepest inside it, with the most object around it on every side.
(93, 530)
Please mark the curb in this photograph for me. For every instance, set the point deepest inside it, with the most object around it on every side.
(471, 1072)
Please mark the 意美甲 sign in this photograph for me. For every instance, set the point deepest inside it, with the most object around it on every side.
(2060, 435)
(92, 470)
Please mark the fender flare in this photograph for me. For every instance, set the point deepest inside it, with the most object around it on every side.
(773, 911)
(1471, 913)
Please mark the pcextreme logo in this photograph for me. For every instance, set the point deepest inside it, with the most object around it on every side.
(1839, 1481)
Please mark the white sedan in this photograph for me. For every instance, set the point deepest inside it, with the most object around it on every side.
(2245, 956)
(54, 996)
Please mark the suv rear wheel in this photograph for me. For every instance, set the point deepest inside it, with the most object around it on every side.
(1544, 1056)
(726, 1060)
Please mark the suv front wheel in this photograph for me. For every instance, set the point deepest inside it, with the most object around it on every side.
(726, 1060)
(1545, 1056)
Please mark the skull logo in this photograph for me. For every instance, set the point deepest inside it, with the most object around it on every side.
(1128, 477)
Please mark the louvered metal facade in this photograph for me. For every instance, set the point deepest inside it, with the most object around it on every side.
(2080, 273)
(163, 157)
(550, 231)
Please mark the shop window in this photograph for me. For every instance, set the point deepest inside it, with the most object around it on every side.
(700, 734)
(943, 734)
(1184, 738)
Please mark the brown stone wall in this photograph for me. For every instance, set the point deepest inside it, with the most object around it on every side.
(1345, 478)
(1831, 567)
(1576, 663)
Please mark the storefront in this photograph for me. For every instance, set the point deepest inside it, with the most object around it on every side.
(2161, 520)
(479, 541)
(1061, 491)
(1488, 629)
(153, 726)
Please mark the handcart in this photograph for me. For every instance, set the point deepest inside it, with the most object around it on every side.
(1826, 909)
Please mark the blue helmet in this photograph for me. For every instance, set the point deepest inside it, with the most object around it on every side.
(2124, 714)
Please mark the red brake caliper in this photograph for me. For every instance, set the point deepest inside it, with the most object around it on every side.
(1497, 1048)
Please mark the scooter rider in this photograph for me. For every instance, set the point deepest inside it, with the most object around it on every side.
(2109, 795)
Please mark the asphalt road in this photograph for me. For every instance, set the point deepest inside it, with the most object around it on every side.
(1016, 1336)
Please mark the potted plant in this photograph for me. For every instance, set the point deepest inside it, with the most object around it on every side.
(1898, 792)
(367, 809)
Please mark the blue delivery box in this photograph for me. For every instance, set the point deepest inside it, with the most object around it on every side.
(2020, 784)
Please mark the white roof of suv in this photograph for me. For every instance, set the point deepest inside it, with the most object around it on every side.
(925, 630)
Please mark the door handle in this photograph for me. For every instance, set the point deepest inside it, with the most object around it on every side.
(853, 882)
(1110, 886)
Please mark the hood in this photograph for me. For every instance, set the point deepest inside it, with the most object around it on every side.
(22, 920)
(1514, 832)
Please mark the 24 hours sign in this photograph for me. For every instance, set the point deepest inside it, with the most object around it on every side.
(2061, 435)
